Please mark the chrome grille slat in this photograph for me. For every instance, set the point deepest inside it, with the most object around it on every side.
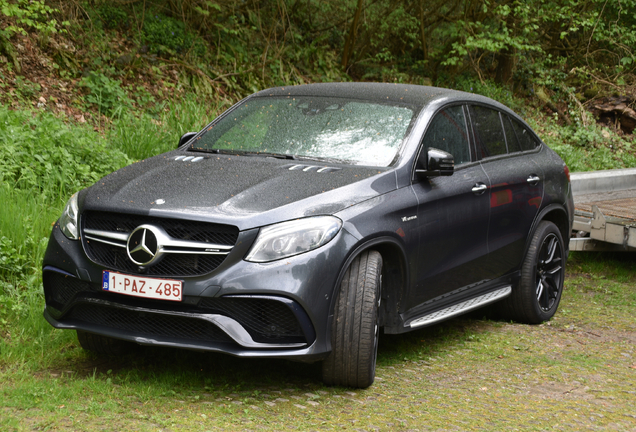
(108, 242)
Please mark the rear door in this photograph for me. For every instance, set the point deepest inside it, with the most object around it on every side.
(516, 181)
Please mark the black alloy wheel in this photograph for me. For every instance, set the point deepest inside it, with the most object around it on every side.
(549, 274)
(536, 297)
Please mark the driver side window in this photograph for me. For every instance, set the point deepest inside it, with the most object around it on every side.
(447, 132)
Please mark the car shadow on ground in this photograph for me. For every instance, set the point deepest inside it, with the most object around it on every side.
(195, 370)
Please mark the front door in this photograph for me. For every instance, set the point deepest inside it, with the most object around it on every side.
(452, 215)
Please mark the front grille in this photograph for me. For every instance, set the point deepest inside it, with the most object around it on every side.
(267, 321)
(148, 324)
(171, 265)
(116, 258)
(61, 288)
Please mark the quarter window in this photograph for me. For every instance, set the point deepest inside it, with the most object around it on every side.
(447, 132)
(489, 137)
(526, 140)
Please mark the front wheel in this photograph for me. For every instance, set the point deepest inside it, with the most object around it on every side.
(356, 324)
(537, 296)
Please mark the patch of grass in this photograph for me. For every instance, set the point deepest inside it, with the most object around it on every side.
(50, 159)
(589, 148)
(144, 136)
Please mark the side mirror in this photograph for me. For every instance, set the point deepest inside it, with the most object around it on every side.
(435, 163)
(185, 138)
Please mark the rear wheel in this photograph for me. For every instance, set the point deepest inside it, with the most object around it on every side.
(538, 294)
(356, 324)
(104, 344)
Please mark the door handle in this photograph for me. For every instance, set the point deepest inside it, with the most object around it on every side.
(533, 179)
(479, 188)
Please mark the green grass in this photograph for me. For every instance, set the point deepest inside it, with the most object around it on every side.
(141, 136)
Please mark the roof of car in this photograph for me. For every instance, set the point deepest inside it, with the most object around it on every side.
(399, 93)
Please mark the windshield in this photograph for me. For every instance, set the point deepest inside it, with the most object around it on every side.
(356, 131)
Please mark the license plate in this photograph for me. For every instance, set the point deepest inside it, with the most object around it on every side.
(164, 289)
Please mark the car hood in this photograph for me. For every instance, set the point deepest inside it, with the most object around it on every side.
(245, 191)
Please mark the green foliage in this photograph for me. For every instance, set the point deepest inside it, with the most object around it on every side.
(25, 223)
(43, 155)
(12, 261)
(494, 35)
(25, 88)
(167, 35)
(492, 90)
(106, 94)
(113, 17)
(42, 162)
(142, 136)
(30, 14)
(589, 148)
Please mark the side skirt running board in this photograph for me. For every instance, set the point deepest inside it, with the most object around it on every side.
(460, 308)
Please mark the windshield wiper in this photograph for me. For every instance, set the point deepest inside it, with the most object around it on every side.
(244, 153)
(325, 159)
(274, 155)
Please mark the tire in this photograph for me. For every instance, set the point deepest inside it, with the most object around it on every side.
(103, 344)
(537, 296)
(356, 324)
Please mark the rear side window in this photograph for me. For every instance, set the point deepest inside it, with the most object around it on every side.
(489, 136)
(526, 140)
(448, 132)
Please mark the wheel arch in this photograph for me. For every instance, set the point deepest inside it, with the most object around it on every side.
(556, 214)
(394, 279)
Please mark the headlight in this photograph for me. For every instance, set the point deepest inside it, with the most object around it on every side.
(68, 220)
(292, 238)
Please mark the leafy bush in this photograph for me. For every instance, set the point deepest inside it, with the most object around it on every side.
(492, 90)
(12, 261)
(42, 154)
(34, 14)
(113, 17)
(106, 94)
(167, 35)
(588, 148)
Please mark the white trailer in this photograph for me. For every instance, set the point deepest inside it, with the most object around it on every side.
(605, 210)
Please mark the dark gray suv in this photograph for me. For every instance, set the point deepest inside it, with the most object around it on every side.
(304, 219)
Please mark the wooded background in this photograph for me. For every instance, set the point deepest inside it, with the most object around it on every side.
(570, 56)
(251, 44)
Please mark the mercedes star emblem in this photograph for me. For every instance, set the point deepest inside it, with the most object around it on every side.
(142, 245)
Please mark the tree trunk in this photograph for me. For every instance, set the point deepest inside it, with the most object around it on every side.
(423, 31)
(505, 66)
(351, 37)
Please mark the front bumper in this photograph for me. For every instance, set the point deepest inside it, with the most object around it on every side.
(279, 309)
